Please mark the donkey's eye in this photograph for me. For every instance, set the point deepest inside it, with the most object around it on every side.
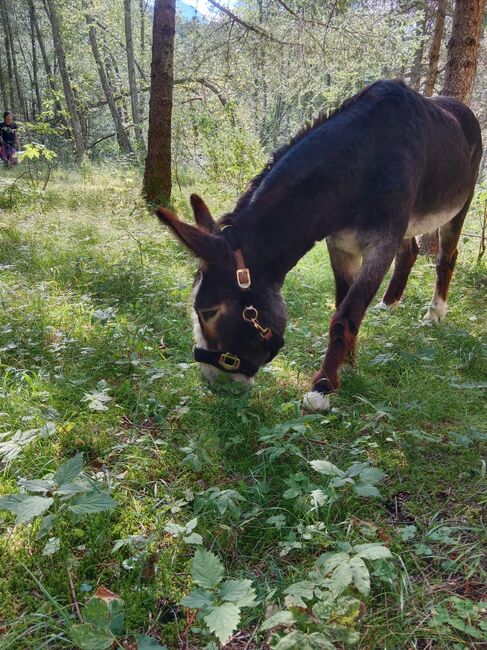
(208, 314)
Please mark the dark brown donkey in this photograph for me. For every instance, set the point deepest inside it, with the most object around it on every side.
(387, 166)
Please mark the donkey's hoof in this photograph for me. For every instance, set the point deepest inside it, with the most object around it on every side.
(314, 401)
(384, 306)
(436, 312)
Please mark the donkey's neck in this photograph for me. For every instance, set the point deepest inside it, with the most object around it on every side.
(272, 244)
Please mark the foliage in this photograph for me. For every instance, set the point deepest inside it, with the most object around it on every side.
(218, 603)
(67, 491)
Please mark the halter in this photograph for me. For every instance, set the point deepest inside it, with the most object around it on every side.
(227, 361)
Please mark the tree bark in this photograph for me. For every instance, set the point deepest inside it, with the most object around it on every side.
(417, 67)
(122, 137)
(157, 176)
(79, 144)
(463, 48)
(8, 55)
(134, 98)
(35, 64)
(434, 55)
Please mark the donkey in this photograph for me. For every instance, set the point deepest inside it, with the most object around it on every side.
(388, 165)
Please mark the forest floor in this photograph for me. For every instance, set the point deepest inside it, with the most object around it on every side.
(95, 357)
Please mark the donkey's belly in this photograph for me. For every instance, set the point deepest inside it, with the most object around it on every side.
(419, 225)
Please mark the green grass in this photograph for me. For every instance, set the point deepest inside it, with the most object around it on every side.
(93, 289)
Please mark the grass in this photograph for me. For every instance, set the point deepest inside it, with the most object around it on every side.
(93, 290)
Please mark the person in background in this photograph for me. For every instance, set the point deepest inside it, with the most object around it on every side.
(9, 139)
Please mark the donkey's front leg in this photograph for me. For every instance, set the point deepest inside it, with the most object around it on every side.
(346, 322)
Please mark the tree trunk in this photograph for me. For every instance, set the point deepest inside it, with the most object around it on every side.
(8, 55)
(45, 59)
(461, 66)
(35, 63)
(3, 85)
(18, 80)
(134, 98)
(157, 176)
(463, 49)
(417, 67)
(79, 144)
(435, 48)
(122, 137)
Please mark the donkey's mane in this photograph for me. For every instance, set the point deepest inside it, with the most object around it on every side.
(308, 128)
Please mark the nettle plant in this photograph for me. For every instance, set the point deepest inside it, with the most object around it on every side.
(319, 614)
(217, 602)
(361, 478)
(67, 491)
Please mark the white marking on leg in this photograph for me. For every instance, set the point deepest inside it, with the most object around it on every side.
(436, 311)
(314, 401)
(383, 305)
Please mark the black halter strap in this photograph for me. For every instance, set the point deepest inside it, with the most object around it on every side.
(227, 361)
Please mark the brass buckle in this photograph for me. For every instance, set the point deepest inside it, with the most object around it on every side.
(229, 361)
(243, 278)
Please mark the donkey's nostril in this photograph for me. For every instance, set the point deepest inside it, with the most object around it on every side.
(208, 314)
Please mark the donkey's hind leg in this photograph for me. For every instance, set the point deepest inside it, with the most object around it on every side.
(449, 236)
(405, 258)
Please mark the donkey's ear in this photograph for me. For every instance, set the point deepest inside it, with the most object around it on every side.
(202, 214)
(206, 246)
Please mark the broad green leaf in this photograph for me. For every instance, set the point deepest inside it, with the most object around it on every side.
(299, 590)
(301, 641)
(52, 546)
(329, 561)
(174, 529)
(117, 616)
(207, 570)
(366, 489)
(361, 578)
(46, 526)
(148, 643)
(24, 506)
(282, 617)
(36, 485)
(198, 599)
(407, 532)
(356, 468)
(92, 502)
(193, 538)
(372, 551)
(69, 470)
(70, 489)
(223, 621)
(96, 612)
(326, 468)
(239, 592)
(88, 637)
(372, 475)
(341, 578)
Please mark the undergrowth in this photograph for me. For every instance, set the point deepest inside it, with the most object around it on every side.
(222, 517)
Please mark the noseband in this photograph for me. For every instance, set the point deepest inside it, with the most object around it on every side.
(227, 361)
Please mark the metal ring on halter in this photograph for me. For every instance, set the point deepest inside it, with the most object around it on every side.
(247, 317)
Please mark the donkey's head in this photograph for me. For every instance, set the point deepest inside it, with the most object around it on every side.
(239, 318)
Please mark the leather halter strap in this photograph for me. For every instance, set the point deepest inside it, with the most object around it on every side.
(227, 361)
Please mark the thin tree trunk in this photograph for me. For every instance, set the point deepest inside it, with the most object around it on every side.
(134, 98)
(35, 63)
(45, 59)
(434, 56)
(18, 78)
(79, 143)
(3, 85)
(157, 176)
(8, 54)
(122, 137)
(417, 67)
